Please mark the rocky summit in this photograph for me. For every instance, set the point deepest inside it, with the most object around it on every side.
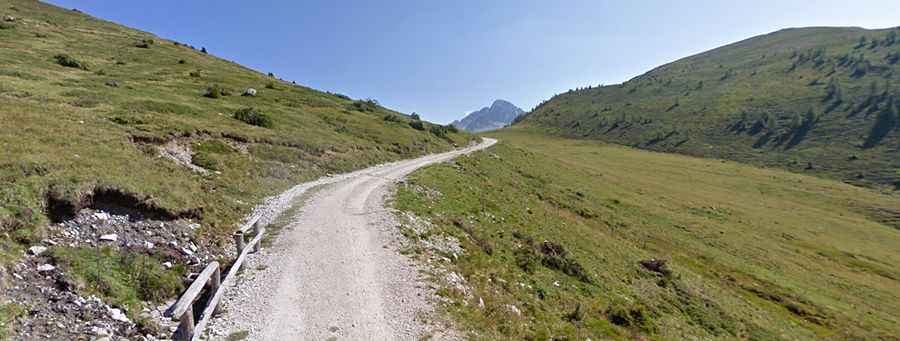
(500, 114)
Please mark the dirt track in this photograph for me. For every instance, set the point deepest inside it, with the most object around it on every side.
(334, 272)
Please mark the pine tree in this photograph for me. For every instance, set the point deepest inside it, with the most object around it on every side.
(796, 122)
(885, 122)
(810, 118)
(833, 91)
(771, 123)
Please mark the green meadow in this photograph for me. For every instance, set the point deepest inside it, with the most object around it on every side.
(591, 240)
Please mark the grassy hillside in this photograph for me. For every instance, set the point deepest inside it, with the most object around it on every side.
(90, 108)
(816, 100)
(566, 232)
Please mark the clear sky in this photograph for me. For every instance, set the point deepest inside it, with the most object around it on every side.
(444, 58)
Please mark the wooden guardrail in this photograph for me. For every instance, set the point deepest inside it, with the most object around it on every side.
(183, 309)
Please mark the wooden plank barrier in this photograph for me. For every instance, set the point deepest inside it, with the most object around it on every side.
(183, 309)
(229, 278)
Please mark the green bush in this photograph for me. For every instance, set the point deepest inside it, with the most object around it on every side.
(438, 131)
(392, 118)
(253, 117)
(417, 125)
(145, 44)
(270, 85)
(366, 105)
(216, 91)
(69, 61)
(207, 161)
(6, 26)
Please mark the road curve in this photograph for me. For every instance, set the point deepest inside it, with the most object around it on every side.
(334, 273)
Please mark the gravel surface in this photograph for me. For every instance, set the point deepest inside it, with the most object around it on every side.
(335, 272)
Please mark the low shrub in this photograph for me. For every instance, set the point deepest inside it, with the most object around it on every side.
(6, 25)
(69, 61)
(393, 118)
(417, 125)
(365, 105)
(440, 131)
(206, 161)
(270, 85)
(216, 91)
(632, 315)
(145, 43)
(253, 117)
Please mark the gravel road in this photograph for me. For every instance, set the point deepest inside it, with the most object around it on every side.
(335, 272)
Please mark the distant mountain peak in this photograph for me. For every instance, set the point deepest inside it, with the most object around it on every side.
(500, 114)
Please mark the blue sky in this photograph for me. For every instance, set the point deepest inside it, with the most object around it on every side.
(444, 58)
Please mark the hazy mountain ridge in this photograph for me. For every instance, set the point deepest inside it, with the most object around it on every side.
(500, 114)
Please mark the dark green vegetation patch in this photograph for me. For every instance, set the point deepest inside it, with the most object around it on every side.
(253, 117)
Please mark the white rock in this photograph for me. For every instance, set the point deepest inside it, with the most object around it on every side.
(192, 246)
(556, 283)
(37, 250)
(148, 245)
(99, 331)
(514, 309)
(45, 267)
(250, 92)
(118, 315)
(480, 303)
(17, 276)
(109, 237)
(187, 252)
(102, 216)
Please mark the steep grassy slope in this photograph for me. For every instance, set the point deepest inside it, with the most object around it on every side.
(559, 228)
(814, 100)
(91, 108)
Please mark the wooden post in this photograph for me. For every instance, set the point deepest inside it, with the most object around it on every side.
(214, 283)
(239, 242)
(256, 232)
(186, 326)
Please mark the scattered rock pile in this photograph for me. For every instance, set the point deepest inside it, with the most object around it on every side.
(53, 307)
(173, 240)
